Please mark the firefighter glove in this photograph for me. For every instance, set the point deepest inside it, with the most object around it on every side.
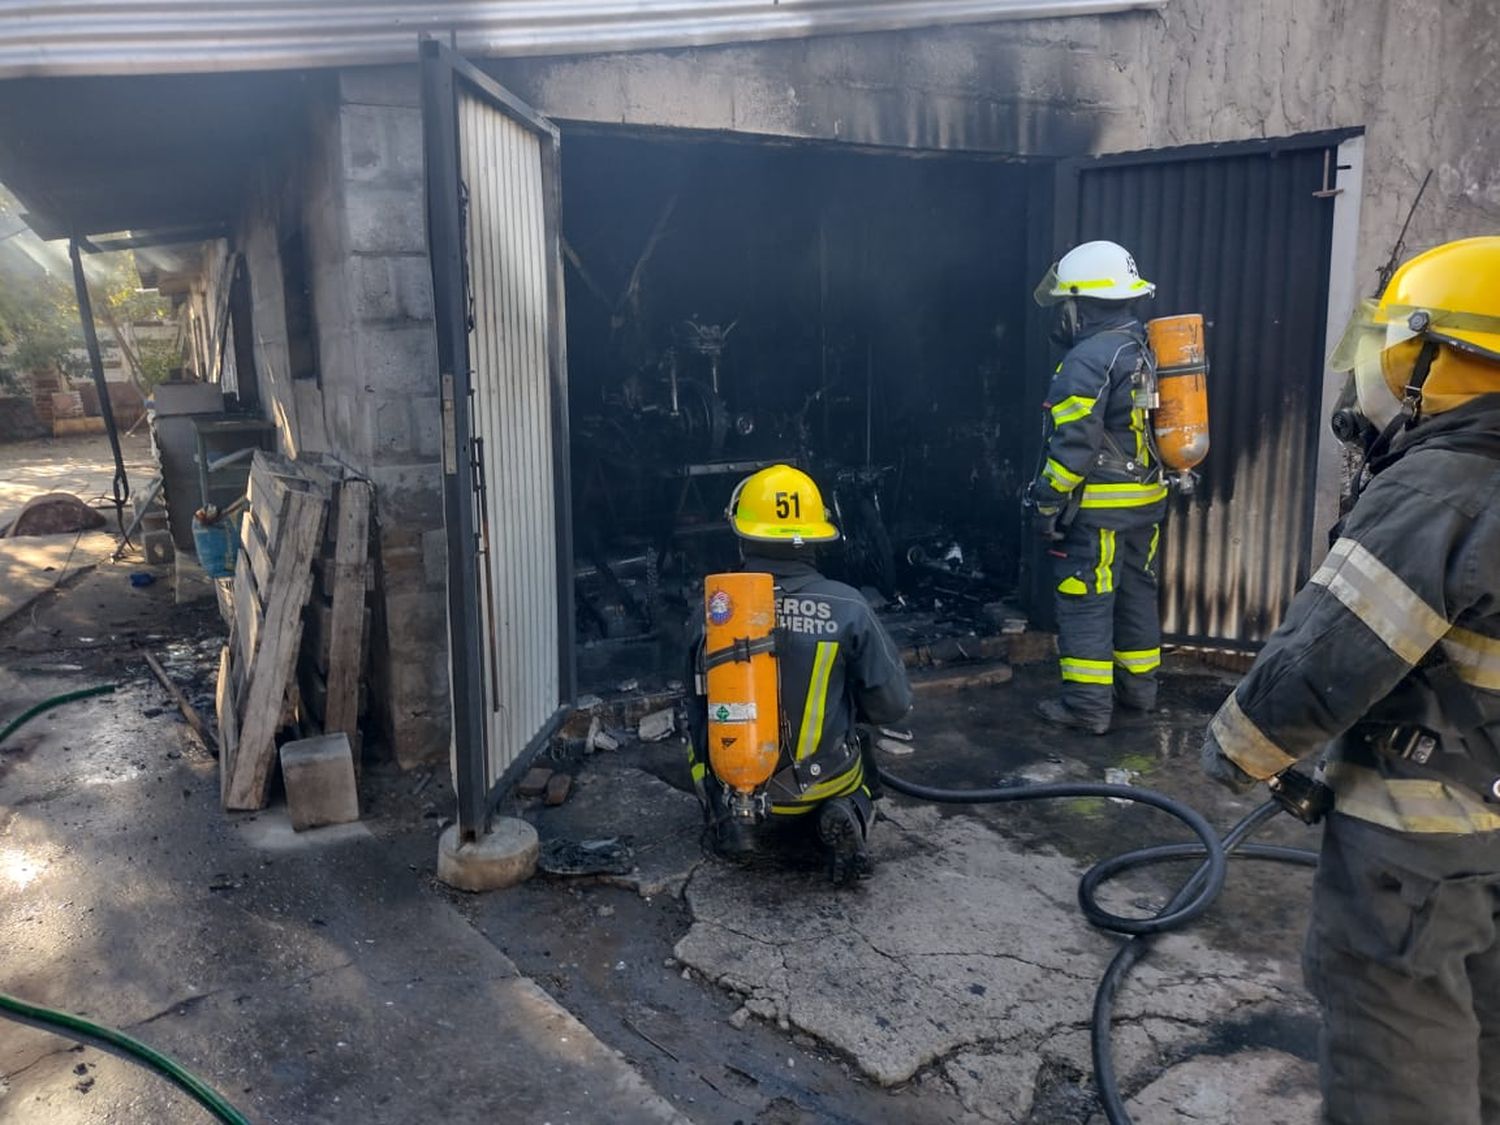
(1217, 765)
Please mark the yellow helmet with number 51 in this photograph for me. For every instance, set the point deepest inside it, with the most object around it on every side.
(780, 504)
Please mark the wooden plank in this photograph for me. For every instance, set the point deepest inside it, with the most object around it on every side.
(257, 550)
(275, 653)
(319, 635)
(229, 722)
(347, 616)
(264, 499)
(248, 618)
(189, 712)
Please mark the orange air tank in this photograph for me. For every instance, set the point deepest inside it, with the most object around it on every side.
(1180, 420)
(744, 713)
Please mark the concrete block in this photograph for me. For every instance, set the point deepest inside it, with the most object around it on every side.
(503, 857)
(418, 622)
(389, 220)
(385, 287)
(381, 144)
(409, 497)
(426, 427)
(419, 738)
(320, 785)
(398, 359)
(392, 427)
(435, 557)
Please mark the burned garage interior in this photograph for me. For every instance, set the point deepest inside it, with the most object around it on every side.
(732, 304)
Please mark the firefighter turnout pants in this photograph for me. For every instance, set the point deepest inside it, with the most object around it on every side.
(1108, 620)
(1403, 955)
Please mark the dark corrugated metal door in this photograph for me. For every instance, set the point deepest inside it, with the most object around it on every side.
(1239, 235)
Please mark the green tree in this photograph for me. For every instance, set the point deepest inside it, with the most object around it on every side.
(39, 325)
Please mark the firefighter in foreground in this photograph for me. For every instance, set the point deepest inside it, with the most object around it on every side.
(782, 621)
(1100, 495)
(1391, 653)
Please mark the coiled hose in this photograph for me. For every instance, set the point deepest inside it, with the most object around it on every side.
(76, 1027)
(1195, 896)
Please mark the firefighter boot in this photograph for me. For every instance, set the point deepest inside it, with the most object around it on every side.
(841, 831)
(1058, 713)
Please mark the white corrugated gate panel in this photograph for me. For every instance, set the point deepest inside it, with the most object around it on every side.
(54, 37)
(501, 166)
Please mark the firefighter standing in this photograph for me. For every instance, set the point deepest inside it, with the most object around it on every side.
(836, 666)
(1392, 651)
(1100, 496)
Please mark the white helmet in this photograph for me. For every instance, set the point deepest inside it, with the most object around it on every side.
(1104, 271)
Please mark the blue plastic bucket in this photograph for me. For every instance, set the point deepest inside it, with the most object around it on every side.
(218, 544)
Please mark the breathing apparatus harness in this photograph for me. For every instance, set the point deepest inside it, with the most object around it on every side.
(1111, 458)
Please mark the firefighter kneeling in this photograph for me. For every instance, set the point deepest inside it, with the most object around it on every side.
(785, 663)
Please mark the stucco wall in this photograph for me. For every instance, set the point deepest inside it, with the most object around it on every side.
(1419, 75)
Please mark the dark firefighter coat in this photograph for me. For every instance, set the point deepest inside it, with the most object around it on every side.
(1098, 445)
(1393, 646)
(836, 667)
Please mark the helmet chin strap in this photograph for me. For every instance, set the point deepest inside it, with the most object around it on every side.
(1407, 417)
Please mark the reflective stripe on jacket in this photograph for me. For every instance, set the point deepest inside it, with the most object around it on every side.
(1399, 628)
(1095, 426)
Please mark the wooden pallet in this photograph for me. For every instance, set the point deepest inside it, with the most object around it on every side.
(273, 579)
(335, 641)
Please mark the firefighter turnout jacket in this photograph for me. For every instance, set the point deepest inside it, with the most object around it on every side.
(1099, 439)
(837, 666)
(1393, 646)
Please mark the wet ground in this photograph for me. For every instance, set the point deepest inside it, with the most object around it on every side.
(954, 986)
(330, 978)
(314, 977)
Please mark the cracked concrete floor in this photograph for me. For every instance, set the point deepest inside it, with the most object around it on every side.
(961, 977)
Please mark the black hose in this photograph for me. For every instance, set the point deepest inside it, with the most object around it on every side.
(1176, 914)
(1193, 898)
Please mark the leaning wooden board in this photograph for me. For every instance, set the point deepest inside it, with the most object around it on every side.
(280, 535)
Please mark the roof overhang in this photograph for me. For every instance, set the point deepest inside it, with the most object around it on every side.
(78, 37)
(165, 157)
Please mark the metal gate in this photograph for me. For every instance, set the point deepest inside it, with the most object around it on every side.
(492, 225)
(1242, 234)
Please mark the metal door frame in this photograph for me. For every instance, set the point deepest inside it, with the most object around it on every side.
(444, 75)
(1062, 224)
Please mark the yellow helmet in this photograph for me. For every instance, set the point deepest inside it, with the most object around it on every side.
(1448, 296)
(780, 505)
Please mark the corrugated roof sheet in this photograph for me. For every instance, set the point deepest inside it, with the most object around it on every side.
(63, 37)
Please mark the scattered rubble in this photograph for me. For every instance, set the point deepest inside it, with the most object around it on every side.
(657, 726)
(534, 783)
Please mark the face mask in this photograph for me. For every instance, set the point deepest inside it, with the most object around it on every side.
(1065, 327)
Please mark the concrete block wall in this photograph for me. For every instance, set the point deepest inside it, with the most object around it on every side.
(372, 288)
(1419, 75)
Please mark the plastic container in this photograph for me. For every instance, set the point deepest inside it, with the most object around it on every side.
(218, 545)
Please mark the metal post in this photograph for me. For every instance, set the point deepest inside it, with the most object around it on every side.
(445, 237)
(121, 484)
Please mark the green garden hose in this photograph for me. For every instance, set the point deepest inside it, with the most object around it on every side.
(47, 705)
(76, 1027)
